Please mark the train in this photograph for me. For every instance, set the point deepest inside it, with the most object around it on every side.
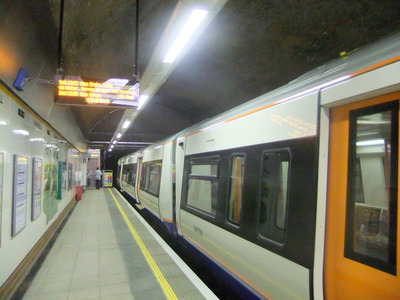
(294, 194)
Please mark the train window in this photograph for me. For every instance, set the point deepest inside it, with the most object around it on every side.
(236, 182)
(273, 198)
(154, 178)
(151, 177)
(143, 177)
(132, 174)
(203, 185)
(372, 186)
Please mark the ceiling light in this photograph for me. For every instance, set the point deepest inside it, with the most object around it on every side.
(21, 132)
(371, 143)
(187, 31)
(37, 140)
(109, 150)
(142, 100)
(112, 146)
(119, 135)
(114, 142)
(127, 122)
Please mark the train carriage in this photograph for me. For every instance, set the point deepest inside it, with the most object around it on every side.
(293, 195)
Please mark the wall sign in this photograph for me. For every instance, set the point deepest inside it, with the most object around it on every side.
(20, 190)
(114, 92)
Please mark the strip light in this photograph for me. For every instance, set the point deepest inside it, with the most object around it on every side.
(187, 31)
(21, 132)
(126, 124)
(371, 143)
(142, 100)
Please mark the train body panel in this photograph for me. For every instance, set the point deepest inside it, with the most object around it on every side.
(273, 276)
(248, 188)
(179, 167)
(280, 121)
(166, 198)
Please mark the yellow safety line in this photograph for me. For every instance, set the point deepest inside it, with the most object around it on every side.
(160, 277)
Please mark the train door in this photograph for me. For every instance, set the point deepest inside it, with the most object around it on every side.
(362, 248)
(138, 177)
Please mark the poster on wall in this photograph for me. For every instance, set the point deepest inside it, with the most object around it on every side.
(107, 178)
(62, 179)
(59, 180)
(20, 190)
(37, 183)
(1, 188)
(50, 204)
(69, 176)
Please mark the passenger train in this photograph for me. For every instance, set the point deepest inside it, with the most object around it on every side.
(294, 194)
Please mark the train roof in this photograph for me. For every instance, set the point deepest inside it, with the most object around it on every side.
(323, 76)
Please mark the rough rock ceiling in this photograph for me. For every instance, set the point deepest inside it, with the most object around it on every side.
(252, 47)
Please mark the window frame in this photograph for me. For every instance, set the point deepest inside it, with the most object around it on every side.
(228, 194)
(271, 222)
(203, 160)
(390, 265)
(145, 177)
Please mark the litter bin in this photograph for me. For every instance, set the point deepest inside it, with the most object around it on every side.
(78, 195)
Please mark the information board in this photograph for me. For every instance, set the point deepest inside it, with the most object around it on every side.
(107, 178)
(20, 190)
(113, 92)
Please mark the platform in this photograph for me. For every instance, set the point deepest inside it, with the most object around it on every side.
(107, 251)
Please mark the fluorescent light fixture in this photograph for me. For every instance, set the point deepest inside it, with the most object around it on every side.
(37, 140)
(379, 142)
(127, 122)
(114, 142)
(109, 150)
(142, 100)
(119, 135)
(184, 35)
(3, 123)
(112, 146)
(21, 132)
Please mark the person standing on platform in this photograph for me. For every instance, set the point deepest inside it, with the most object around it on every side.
(88, 175)
(98, 178)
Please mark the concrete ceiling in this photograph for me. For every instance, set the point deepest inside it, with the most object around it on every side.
(251, 47)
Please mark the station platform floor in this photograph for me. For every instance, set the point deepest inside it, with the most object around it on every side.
(107, 251)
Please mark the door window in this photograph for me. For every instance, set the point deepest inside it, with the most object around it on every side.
(372, 186)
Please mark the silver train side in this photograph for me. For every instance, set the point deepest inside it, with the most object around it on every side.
(246, 190)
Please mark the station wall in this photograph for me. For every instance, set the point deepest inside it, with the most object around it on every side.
(31, 196)
(41, 144)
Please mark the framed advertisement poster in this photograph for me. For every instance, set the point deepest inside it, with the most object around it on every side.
(1, 188)
(20, 190)
(37, 183)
